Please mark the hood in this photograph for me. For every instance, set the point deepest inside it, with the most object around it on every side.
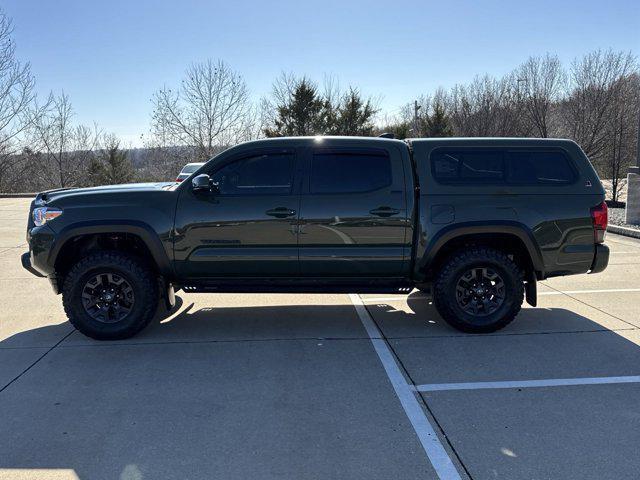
(51, 195)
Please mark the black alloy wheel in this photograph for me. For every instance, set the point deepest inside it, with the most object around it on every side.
(108, 297)
(480, 291)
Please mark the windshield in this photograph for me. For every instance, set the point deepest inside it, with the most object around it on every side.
(191, 167)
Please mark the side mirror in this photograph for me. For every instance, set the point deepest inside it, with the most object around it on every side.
(201, 183)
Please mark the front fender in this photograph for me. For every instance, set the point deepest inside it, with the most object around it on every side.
(148, 235)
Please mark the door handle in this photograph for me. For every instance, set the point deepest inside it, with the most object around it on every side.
(281, 212)
(384, 211)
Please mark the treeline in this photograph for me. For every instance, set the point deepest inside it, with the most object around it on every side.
(595, 101)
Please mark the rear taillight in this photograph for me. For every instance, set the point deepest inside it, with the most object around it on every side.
(178, 179)
(600, 217)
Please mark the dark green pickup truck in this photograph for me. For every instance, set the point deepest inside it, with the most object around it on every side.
(477, 221)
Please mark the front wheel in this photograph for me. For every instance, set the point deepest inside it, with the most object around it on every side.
(110, 295)
(479, 290)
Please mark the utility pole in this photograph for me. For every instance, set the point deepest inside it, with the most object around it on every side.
(518, 82)
(636, 168)
(416, 107)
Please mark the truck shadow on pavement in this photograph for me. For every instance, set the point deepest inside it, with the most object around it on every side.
(415, 317)
(255, 383)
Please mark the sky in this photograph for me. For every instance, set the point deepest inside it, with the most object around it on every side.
(110, 56)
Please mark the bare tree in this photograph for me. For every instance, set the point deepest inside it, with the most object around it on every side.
(540, 81)
(593, 88)
(487, 107)
(621, 133)
(16, 94)
(65, 148)
(210, 106)
(596, 105)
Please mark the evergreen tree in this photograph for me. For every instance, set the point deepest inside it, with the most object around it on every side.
(95, 172)
(400, 130)
(437, 124)
(111, 166)
(353, 116)
(301, 112)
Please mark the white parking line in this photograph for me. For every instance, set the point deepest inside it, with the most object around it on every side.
(388, 299)
(609, 290)
(441, 462)
(554, 382)
(620, 242)
(558, 292)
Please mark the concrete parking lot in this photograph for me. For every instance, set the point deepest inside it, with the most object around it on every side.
(322, 386)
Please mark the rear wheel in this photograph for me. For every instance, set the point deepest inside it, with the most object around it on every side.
(110, 295)
(479, 290)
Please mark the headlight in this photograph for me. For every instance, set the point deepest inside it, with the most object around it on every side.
(42, 215)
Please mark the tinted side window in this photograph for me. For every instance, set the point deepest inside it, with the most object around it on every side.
(349, 172)
(468, 166)
(539, 168)
(266, 174)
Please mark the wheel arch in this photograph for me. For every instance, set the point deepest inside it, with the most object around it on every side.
(76, 237)
(513, 237)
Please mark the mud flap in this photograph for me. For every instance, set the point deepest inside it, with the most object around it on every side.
(531, 291)
(168, 294)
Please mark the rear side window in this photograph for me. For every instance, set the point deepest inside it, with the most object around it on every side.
(469, 166)
(473, 167)
(349, 171)
(539, 168)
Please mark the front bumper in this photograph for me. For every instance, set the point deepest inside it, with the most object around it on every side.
(26, 264)
(37, 260)
(600, 259)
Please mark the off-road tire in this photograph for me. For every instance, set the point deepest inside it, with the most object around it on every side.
(444, 290)
(136, 273)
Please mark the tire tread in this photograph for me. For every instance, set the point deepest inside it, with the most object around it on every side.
(464, 257)
(138, 271)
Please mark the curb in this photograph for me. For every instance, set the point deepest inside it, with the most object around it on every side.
(625, 231)
(18, 195)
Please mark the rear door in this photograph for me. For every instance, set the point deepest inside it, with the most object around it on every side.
(353, 213)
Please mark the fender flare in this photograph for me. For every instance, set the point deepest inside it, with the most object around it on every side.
(150, 238)
(519, 230)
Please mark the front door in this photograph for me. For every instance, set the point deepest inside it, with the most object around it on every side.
(353, 213)
(246, 229)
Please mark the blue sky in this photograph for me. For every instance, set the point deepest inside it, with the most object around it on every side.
(110, 56)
